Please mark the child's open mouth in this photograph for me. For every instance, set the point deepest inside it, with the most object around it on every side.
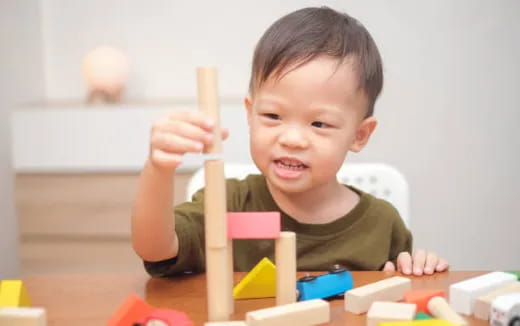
(289, 168)
(290, 164)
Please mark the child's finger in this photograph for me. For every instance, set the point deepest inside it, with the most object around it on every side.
(431, 263)
(194, 117)
(175, 144)
(164, 159)
(442, 265)
(225, 133)
(389, 267)
(419, 259)
(183, 129)
(404, 263)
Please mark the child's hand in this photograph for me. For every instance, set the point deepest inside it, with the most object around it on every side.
(422, 262)
(178, 133)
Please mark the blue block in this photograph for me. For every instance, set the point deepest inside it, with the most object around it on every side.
(324, 286)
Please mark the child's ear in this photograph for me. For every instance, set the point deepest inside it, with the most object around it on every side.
(363, 133)
(248, 102)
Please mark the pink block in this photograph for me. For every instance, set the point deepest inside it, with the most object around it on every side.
(254, 225)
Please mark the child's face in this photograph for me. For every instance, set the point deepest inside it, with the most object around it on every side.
(303, 125)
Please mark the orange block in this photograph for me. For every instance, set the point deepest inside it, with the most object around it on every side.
(254, 225)
(130, 312)
(421, 298)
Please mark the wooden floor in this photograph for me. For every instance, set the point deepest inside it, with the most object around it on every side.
(78, 223)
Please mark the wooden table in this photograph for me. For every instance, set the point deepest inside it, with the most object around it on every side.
(91, 299)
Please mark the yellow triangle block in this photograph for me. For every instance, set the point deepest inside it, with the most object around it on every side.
(260, 282)
(13, 294)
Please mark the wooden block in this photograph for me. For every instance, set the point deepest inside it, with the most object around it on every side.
(253, 225)
(463, 294)
(207, 85)
(422, 316)
(382, 311)
(285, 257)
(217, 281)
(483, 303)
(215, 219)
(226, 323)
(429, 322)
(13, 294)
(358, 300)
(439, 308)
(311, 312)
(421, 297)
(230, 278)
(260, 282)
(131, 311)
(515, 273)
(22, 316)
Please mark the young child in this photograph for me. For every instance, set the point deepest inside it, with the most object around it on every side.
(316, 76)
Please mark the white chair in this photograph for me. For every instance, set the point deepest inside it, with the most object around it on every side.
(380, 180)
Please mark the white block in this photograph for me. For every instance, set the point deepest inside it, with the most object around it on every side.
(358, 300)
(226, 323)
(464, 294)
(304, 313)
(381, 312)
(22, 316)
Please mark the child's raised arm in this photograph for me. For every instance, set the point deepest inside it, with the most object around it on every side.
(153, 222)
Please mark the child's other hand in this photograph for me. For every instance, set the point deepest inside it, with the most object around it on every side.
(422, 263)
(178, 133)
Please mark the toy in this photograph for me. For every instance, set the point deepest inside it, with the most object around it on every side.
(253, 225)
(22, 316)
(226, 323)
(421, 297)
(358, 300)
(165, 317)
(505, 310)
(310, 312)
(429, 322)
(13, 294)
(439, 308)
(285, 257)
(381, 311)
(335, 283)
(483, 303)
(463, 294)
(422, 316)
(515, 273)
(132, 310)
(260, 282)
(218, 250)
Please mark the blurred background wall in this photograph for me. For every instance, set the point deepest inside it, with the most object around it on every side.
(448, 113)
(21, 80)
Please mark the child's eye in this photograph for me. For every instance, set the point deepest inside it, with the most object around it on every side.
(319, 124)
(272, 116)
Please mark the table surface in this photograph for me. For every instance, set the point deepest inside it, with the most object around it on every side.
(91, 299)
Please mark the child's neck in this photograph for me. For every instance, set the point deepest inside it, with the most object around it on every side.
(322, 205)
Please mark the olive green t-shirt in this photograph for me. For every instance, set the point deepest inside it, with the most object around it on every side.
(364, 239)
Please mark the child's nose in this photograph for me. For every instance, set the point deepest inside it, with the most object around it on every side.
(293, 137)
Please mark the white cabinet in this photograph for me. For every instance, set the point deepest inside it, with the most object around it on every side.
(104, 139)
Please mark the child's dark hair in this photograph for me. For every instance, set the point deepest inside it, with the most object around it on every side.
(301, 36)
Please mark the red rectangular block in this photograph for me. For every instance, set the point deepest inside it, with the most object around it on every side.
(254, 225)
